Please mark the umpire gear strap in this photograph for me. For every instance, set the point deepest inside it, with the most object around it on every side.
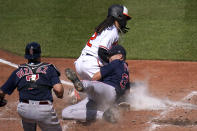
(35, 86)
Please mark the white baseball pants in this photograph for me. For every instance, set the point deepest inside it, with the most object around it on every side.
(86, 66)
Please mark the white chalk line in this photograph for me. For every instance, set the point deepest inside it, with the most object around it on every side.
(172, 107)
(16, 66)
(9, 119)
(8, 63)
(140, 99)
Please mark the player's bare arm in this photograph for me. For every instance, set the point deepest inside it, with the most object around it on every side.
(97, 76)
(59, 90)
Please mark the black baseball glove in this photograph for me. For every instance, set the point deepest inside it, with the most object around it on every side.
(3, 101)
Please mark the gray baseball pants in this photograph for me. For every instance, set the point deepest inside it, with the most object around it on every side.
(33, 113)
(100, 97)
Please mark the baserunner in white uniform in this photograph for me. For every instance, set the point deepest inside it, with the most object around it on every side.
(107, 33)
(94, 55)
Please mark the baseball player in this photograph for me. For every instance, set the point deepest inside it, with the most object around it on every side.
(34, 81)
(101, 95)
(106, 35)
(94, 55)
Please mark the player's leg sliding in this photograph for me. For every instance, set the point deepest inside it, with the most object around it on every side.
(71, 75)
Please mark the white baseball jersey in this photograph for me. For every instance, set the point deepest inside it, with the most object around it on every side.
(106, 39)
(89, 63)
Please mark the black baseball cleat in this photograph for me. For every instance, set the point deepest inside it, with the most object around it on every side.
(71, 75)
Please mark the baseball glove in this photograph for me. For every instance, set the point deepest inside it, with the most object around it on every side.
(3, 102)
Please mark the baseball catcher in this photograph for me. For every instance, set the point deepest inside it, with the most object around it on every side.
(35, 81)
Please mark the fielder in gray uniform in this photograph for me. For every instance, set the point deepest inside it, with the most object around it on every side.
(101, 95)
(34, 81)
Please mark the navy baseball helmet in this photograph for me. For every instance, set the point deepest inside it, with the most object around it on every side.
(32, 50)
(117, 49)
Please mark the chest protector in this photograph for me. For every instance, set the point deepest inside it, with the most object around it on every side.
(32, 73)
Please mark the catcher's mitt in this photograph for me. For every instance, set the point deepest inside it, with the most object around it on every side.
(3, 102)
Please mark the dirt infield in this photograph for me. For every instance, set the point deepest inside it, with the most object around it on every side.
(163, 99)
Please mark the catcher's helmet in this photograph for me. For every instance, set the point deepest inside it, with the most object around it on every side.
(32, 50)
(117, 49)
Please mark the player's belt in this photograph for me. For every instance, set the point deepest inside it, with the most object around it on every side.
(40, 103)
(89, 54)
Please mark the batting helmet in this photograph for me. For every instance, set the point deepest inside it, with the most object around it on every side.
(117, 49)
(32, 50)
(120, 13)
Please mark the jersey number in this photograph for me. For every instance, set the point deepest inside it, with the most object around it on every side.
(92, 38)
(124, 81)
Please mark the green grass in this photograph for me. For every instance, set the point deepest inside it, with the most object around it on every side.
(160, 29)
(163, 29)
